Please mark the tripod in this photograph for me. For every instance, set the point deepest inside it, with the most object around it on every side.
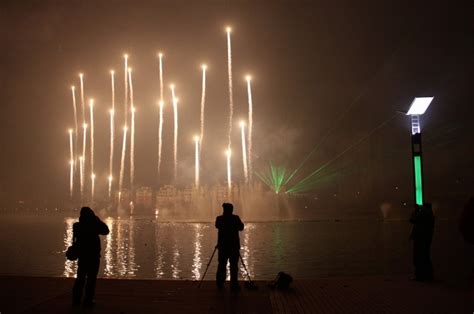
(207, 267)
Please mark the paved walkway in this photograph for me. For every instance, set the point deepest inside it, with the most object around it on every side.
(325, 295)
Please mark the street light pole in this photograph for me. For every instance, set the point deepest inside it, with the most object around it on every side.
(417, 108)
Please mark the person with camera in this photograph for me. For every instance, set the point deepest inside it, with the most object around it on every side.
(86, 244)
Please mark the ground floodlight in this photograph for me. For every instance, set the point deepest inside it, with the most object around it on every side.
(419, 105)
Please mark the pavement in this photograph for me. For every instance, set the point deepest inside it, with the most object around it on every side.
(365, 294)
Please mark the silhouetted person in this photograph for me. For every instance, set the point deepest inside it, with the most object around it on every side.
(422, 235)
(86, 237)
(466, 222)
(228, 244)
(466, 227)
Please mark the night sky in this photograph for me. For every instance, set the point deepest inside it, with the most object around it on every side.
(317, 66)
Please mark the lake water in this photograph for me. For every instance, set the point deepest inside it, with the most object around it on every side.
(148, 249)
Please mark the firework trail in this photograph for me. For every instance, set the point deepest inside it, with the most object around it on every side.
(229, 171)
(92, 187)
(84, 145)
(250, 133)
(71, 152)
(132, 132)
(81, 171)
(161, 104)
(175, 111)
(125, 57)
(112, 131)
(76, 127)
(175, 141)
(160, 56)
(110, 186)
(203, 99)
(91, 106)
(83, 105)
(231, 97)
(122, 160)
(196, 171)
(173, 94)
(244, 152)
(160, 136)
(81, 78)
(71, 145)
(132, 150)
(71, 177)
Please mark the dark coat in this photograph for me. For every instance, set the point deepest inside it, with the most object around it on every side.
(229, 226)
(423, 225)
(466, 222)
(86, 236)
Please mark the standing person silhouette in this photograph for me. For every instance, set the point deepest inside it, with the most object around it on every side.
(228, 244)
(423, 222)
(86, 238)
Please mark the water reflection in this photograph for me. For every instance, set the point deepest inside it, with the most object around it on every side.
(245, 251)
(159, 252)
(109, 263)
(175, 271)
(70, 267)
(197, 264)
(132, 266)
(166, 250)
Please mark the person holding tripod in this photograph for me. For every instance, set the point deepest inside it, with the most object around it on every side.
(228, 244)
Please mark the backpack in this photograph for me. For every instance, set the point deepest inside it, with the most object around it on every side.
(72, 253)
(282, 281)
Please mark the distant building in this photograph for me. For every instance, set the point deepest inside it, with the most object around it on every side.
(144, 196)
(165, 195)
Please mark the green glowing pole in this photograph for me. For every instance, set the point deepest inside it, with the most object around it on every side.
(417, 167)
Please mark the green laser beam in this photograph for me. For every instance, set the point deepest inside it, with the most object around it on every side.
(274, 178)
(339, 119)
(306, 180)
